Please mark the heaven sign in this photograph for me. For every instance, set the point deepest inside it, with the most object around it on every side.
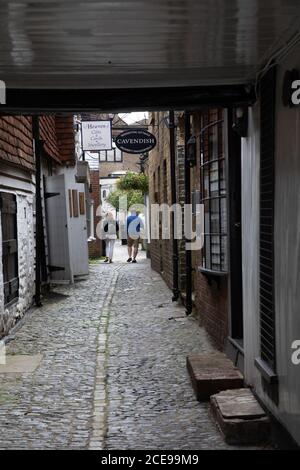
(96, 135)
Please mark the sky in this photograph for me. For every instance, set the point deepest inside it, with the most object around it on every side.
(130, 118)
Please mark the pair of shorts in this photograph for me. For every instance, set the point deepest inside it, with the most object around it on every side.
(133, 242)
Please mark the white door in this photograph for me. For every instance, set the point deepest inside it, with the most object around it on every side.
(78, 241)
(57, 229)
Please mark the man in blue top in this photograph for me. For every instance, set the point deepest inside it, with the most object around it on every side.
(133, 224)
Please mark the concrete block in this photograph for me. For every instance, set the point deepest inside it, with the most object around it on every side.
(212, 373)
(240, 418)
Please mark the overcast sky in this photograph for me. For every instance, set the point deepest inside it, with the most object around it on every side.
(130, 118)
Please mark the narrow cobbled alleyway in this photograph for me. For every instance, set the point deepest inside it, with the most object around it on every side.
(112, 373)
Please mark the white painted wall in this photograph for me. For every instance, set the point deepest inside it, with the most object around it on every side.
(287, 251)
(77, 227)
(26, 252)
(287, 254)
(250, 244)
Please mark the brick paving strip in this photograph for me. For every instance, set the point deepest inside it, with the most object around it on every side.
(99, 425)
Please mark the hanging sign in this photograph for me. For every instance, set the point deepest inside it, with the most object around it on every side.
(135, 141)
(96, 135)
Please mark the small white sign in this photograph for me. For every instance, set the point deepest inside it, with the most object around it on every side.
(96, 135)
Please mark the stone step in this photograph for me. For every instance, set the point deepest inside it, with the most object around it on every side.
(240, 417)
(212, 373)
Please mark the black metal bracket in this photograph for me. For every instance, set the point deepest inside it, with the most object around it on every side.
(48, 195)
(55, 268)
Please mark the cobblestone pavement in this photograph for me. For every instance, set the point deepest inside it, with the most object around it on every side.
(53, 407)
(119, 321)
(151, 404)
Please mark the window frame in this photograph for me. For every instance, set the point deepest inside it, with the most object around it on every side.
(207, 162)
(113, 149)
(9, 249)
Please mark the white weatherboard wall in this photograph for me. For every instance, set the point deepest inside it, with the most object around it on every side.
(26, 255)
(77, 227)
(250, 243)
(287, 254)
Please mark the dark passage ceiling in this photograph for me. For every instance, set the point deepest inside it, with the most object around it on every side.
(139, 43)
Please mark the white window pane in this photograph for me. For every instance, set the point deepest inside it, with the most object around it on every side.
(118, 155)
(110, 155)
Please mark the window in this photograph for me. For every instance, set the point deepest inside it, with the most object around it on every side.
(213, 192)
(8, 207)
(115, 155)
(266, 248)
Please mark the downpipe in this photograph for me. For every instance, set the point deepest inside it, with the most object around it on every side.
(175, 287)
(39, 216)
(187, 191)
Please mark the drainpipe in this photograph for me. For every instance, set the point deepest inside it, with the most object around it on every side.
(173, 200)
(37, 145)
(187, 190)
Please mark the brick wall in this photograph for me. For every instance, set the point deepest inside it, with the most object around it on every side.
(180, 195)
(16, 141)
(160, 192)
(48, 135)
(211, 302)
(59, 139)
(65, 139)
(210, 293)
(95, 247)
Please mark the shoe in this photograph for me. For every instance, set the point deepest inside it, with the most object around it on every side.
(106, 260)
(134, 260)
(110, 261)
(129, 260)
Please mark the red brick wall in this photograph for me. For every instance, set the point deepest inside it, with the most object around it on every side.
(180, 195)
(48, 135)
(161, 251)
(58, 134)
(211, 302)
(16, 141)
(211, 294)
(65, 139)
(95, 247)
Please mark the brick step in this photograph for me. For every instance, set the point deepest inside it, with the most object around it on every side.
(240, 418)
(212, 373)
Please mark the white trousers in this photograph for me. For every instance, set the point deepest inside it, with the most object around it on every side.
(109, 245)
